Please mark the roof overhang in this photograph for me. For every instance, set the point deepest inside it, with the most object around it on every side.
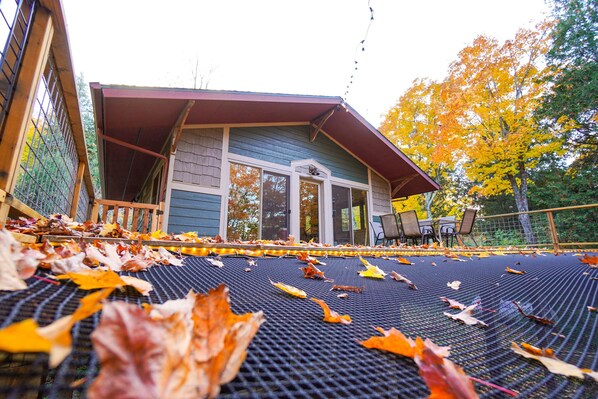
(146, 117)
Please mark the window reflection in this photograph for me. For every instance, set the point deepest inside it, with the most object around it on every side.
(275, 206)
(243, 203)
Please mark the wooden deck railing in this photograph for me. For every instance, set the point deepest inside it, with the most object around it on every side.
(132, 216)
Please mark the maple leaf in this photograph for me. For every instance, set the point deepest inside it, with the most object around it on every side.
(591, 261)
(16, 263)
(310, 271)
(444, 378)
(136, 264)
(92, 279)
(190, 236)
(109, 257)
(289, 289)
(70, 264)
(159, 235)
(371, 270)
(466, 316)
(405, 261)
(185, 348)
(452, 303)
(331, 316)
(304, 257)
(550, 361)
(513, 271)
(454, 285)
(398, 277)
(396, 342)
(538, 319)
(166, 258)
(217, 262)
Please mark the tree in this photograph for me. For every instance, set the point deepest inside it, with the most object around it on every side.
(421, 126)
(497, 91)
(572, 102)
(86, 109)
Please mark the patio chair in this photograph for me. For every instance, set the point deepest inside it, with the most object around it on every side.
(390, 228)
(465, 227)
(412, 229)
(378, 232)
(446, 224)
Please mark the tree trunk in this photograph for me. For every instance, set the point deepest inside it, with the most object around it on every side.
(520, 192)
(429, 198)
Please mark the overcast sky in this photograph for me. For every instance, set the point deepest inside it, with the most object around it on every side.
(279, 46)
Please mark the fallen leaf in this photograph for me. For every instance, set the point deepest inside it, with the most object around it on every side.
(251, 262)
(513, 271)
(404, 261)
(433, 263)
(304, 257)
(343, 296)
(92, 279)
(23, 337)
(331, 316)
(166, 258)
(538, 319)
(396, 342)
(182, 350)
(310, 271)
(396, 276)
(371, 270)
(247, 269)
(109, 257)
(16, 262)
(348, 288)
(190, 236)
(444, 378)
(466, 316)
(136, 264)
(68, 265)
(483, 255)
(452, 303)
(592, 309)
(289, 289)
(549, 360)
(215, 261)
(454, 285)
(591, 261)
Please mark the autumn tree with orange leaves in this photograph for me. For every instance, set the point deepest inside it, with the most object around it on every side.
(482, 117)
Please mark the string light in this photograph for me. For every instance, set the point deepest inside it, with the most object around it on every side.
(360, 45)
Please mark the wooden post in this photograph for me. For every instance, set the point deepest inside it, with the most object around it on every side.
(17, 119)
(553, 235)
(95, 211)
(77, 191)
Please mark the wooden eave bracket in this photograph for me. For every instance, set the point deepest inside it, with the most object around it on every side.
(401, 183)
(317, 124)
(177, 129)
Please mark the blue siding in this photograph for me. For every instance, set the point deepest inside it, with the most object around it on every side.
(191, 211)
(283, 144)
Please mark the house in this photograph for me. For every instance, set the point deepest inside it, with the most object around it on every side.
(250, 166)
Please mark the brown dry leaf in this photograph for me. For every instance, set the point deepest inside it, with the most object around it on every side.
(396, 342)
(398, 277)
(549, 360)
(453, 304)
(184, 349)
(348, 288)
(330, 316)
(466, 316)
(107, 256)
(289, 289)
(136, 264)
(592, 309)
(304, 257)
(405, 261)
(92, 279)
(310, 271)
(535, 318)
(444, 378)
(513, 271)
(343, 296)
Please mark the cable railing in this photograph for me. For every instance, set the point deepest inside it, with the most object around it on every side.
(571, 226)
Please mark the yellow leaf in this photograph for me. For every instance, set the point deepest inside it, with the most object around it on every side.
(547, 358)
(482, 255)
(404, 261)
(289, 289)
(92, 279)
(371, 270)
(160, 235)
(23, 337)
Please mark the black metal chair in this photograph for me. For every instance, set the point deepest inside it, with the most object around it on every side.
(465, 228)
(390, 228)
(378, 232)
(411, 228)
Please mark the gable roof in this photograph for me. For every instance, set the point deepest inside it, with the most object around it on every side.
(146, 116)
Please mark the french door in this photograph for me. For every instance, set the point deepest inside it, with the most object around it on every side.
(309, 211)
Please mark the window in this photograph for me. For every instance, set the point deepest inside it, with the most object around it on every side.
(349, 216)
(258, 204)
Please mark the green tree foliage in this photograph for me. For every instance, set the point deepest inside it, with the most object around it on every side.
(86, 109)
(572, 104)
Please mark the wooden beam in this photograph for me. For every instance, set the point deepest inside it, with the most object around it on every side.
(177, 129)
(401, 183)
(317, 124)
(77, 191)
(19, 114)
